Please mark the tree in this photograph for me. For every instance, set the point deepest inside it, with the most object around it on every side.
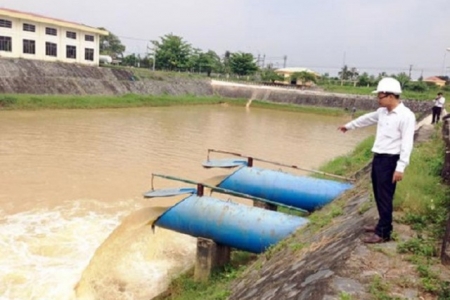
(304, 77)
(403, 78)
(226, 62)
(242, 63)
(210, 62)
(111, 45)
(365, 80)
(348, 73)
(172, 53)
(269, 74)
(131, 60)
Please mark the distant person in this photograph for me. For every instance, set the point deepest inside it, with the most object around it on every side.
(392, 149)
(438, 103)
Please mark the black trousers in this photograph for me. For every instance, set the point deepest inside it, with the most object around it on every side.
(383, 168)
(436, 114)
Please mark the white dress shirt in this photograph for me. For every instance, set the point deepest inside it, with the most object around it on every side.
(395, 132)
(439, 102)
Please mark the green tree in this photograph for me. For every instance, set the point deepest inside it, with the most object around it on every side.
(418, 86)
(242, 63)
(111, 45)
(403, 78)
(304, 77)
(172, 53)
(210, 62)
(131, 60)
(348, 73)
(365, 80)
(226, 62)
(269, 75)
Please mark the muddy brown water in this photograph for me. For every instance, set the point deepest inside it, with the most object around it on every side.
(69, 177)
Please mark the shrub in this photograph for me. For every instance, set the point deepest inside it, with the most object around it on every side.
(6, 101)
(418, 86)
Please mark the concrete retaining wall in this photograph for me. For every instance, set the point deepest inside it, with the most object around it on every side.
(304, 97)
(37, 77)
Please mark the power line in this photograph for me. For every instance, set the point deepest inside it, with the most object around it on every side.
(133, 38)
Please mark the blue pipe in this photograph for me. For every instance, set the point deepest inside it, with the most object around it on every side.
(298, 191)
(236, 225)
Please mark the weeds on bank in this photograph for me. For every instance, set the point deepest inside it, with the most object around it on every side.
(345, 296)
(379, 289)
(186, 288)
(424, 200)
(33, 102)
(347, 165)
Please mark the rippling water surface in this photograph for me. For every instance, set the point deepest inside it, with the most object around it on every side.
(69, 178)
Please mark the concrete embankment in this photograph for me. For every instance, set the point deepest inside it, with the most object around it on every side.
(19, 76)
(306, 97)
(328, 260)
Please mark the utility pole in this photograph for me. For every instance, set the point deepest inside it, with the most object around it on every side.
(284, 61)
(263, 60)
(410, 68)
(257, 62)
(343, 70)
(154, 60)
(154, 56)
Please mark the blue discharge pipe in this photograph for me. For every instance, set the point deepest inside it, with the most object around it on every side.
(235, 225)
(298, 191)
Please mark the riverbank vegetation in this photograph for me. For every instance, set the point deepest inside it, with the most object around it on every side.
(174, 55)
(36, 102)
(421, 202)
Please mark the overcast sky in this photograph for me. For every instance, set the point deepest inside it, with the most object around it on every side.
(389, 35)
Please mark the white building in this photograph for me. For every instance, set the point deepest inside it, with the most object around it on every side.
(31, 36)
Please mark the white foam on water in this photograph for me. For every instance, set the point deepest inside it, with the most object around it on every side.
(43, 254)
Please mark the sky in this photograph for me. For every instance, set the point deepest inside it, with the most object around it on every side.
(373, 36)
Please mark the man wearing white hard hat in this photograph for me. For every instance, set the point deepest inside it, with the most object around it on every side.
(392, 149)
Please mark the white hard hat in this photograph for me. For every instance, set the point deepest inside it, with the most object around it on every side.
(388, 85)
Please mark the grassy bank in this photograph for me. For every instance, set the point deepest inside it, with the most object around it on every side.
(36, 102)
(33, 102)
(421, 202)
(422, 96)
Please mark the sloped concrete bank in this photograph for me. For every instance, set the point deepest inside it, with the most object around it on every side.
(318, 270)
(331, 261)
(306, 97)
(20, 76)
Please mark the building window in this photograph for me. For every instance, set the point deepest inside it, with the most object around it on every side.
(51, 31)
(71, 52)
(71, 35)
(89, 38)
(29, 27)
(89, 54)
(51, 49)
(29, 47)
(5, 43)
(5, 23)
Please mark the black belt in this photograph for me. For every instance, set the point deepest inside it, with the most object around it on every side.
(385, 155)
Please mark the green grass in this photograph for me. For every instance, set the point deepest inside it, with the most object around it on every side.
(428, 95)
(35, 102)
(32, 102)
(217, 288)
(422, 190)
(299, 108)
(421, 184)
(347, 165)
